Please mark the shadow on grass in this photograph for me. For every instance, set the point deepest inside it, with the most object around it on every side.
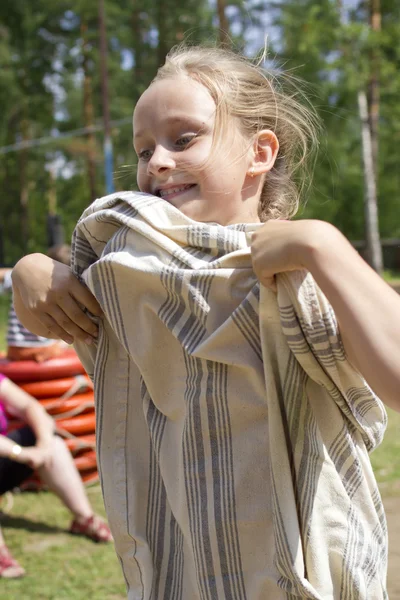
(28, 525)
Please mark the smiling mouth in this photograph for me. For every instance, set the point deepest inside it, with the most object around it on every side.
(171, 192)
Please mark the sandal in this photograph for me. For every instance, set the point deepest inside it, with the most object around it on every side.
(93, 528)
(9, 567)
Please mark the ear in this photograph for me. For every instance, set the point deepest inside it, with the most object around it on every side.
(265, 150)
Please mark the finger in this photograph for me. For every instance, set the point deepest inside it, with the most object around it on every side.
(269, 282)
(54, 329)
(68, 326)
(85, 297)
(77, 315)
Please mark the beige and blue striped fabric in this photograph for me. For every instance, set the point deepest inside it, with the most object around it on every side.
(232, 432)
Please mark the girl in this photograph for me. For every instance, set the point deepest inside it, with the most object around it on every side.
(36, 447)
(234, 420)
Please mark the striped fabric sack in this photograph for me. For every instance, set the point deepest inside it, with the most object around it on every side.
(232, 432)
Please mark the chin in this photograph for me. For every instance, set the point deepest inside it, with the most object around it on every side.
(193, 209)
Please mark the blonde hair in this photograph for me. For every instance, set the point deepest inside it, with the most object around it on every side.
(259, 99)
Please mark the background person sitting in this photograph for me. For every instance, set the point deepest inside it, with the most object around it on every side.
(37, 447)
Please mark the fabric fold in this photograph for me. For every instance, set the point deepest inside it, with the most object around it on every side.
(232, 431)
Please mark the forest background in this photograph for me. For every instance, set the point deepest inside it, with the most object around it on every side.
(52, 107)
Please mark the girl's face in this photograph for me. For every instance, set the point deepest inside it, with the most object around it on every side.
(173, 126)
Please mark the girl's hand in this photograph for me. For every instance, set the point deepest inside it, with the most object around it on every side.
(280, 246)
(47, 291)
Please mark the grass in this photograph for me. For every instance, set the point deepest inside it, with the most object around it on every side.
(59, 566)
(4, 304)
(391, 277)
(385, 459)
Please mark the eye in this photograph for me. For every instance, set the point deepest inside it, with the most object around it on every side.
(184, 141)
(145, 154)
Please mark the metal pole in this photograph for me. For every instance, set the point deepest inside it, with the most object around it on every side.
(108, 148)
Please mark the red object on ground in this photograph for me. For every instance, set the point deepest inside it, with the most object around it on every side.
(66, 365)
(90, 477)
(74, 415)
(78, 425)
(57, 387)
(81, 403)
(86, 461)
(76, 444)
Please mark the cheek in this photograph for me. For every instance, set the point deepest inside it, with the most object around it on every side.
(141, 179)
(196, 157)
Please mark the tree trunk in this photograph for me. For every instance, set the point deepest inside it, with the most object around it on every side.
(339, 4)
(52, 193)
(137, 51)
(24, 188)
(373, 87)
(55, 230)
(374, 250)
(88, 113)
(108, 145)
(162, 27)
(223, 24)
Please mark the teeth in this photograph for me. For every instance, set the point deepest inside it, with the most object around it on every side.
(175, 190)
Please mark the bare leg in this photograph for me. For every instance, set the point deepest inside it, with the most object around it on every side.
(9, 567)
(64, 480)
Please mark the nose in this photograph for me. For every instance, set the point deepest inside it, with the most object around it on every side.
(160, 161)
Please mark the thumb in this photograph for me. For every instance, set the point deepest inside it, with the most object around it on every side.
(269, 282)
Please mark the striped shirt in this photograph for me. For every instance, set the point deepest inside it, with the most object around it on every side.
(18, 335)
(232, 432)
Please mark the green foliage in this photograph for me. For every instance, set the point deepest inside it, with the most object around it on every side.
(333, 55)
(48, 50)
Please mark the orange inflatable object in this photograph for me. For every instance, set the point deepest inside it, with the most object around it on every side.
(81, 403)
(57, 387)
(90, 477)
(78, 425)
(86, 462)
(66, 392)
(66, 365)
(77, 444)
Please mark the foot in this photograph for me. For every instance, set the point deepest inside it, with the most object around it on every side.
(93, 528)
(9, 567)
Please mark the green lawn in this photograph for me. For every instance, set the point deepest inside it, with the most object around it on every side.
(59, 566)
(386, 459)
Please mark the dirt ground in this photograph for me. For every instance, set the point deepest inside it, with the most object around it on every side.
(392, 505)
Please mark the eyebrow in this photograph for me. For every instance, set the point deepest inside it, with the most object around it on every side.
(172, 121)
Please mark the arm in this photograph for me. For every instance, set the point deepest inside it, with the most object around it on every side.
(50, 301)
(3, 273)
(27, 409)
(368, 312)
(367, 309)
(28, 320)
(5, 280)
